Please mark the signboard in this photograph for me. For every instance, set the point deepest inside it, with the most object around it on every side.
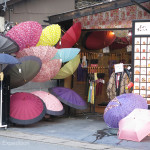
(142, 28)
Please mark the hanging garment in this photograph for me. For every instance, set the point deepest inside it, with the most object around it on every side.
(111, 87)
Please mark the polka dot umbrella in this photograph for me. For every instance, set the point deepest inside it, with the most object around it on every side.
(25, 34)
(50, 35)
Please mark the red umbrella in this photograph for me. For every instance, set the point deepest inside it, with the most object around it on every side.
(48, 70)
(25, 34)
(45, 53)
(53, 105)
(98, 39)
(26, 108)
(71, 36)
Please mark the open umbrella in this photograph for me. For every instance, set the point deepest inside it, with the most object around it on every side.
(25, 34)
(26, 108)
(22, 73)
(68, 97)
(45, 53)
(53, 105)
(66, 54)
(50, 35)
(135, 126)
(48, 70)
(121, 106)
(8, 45)
(70, 37)
(68, 69)
(4, 59)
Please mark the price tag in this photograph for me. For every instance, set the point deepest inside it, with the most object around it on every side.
(119, 68)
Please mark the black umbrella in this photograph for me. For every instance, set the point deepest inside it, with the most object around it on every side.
(7, 45)
(21, 74)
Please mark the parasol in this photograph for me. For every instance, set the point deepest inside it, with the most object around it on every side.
(26, 108)
(48, 70)
(70, 37)
(68, 69)
(22, 73)
(8, 45)
(66, 54)
(25, 34)
(53, 105)
(121, 106)
(45, 53)
(68, 97)
(50, 35)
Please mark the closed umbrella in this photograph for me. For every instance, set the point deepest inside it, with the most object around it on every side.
(26, 108)
(66, 54)
(48, 70)
(25, 34)
(21, 74)
(68, 69)
(68, 97)
(50, 35)
(45, 53)
(121, 106)
(70, 37)
(8, 45)
(53, 105)
(135, 126)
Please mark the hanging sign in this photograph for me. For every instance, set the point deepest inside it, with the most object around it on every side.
(119, 68)
(142, 28)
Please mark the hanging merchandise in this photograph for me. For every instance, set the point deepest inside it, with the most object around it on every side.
(82, 73)
(84, 62)
(91, 94)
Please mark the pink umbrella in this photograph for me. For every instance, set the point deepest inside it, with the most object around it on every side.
(53, 105)
(48, 70)
(25, 34)
(45, 53)
(136, 126)
(26, 108)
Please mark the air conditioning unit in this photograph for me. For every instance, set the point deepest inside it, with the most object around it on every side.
(2, 24)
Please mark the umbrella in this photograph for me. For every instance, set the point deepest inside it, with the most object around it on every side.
(25, 34)
(68, 69)
(22, 73)
(53, 105)
(71, 36)
(121, 106)
(50, 35)
(68, 97)
(48, 70)
(66, 54)
(45, 53)
(8, 45)
(135, 126)
(4, 59)
(26, 108)
(98, 39)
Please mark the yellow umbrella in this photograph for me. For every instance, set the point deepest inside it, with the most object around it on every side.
(50, 35)
(68, 69)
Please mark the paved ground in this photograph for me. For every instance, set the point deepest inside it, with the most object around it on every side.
(75, 133)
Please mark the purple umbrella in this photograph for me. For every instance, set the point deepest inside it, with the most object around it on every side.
(121, 106)
(68, 97)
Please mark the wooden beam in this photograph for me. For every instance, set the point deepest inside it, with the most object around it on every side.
(91, 10)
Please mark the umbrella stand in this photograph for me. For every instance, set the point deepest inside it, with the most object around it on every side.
(1, 98)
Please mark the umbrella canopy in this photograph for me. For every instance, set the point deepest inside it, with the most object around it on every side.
(25, 34)
(26, 108)
(98, 39)
(45, 53)
(68, 97)
(71, 36)
(66, 54)
(136, 126)
(68, 69)
(8, 45)
(121, 106)
(50, 35)
(22, 73)
(53, 105)
(48, 70)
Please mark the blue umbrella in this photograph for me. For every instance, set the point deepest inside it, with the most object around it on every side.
(66, 54)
